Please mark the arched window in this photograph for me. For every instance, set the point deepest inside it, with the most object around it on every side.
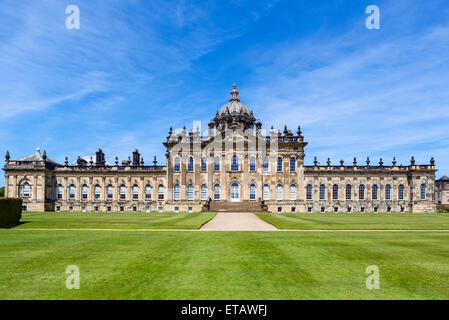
(374, 191)
(266, 164)
(217, 192)
(97, 191)
(252, 164)
(110, 192)
(203, 164)
(322, 192)
(216, 164)
(25, 190)
(177, 166)
(161, 192)
(279, 166)
(84, 192)
(401, 192)
(203, 192)
(190, 165)
(293, 192)
(362, 192)
(348, 192)
(387, 192)
(147, 192)
(279, 192)
(335, 192)
(177, 192)
(72, 192)
(423, 191)
(190, 192)
(252, 192)
(292, 164)
(266, 192)
(309, 192)
(235, 163)
(122, 192)
(60, 191)
(135, 192)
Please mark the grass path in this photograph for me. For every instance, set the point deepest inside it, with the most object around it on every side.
(223, 265)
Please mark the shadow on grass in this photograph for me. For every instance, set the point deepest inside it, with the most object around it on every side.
(12, 226)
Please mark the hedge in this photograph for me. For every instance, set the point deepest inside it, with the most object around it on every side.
(10, 211)
(443, 208)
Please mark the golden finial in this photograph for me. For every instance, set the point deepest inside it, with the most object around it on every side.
(234, 94)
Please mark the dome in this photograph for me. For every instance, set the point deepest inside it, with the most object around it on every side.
(234, 105)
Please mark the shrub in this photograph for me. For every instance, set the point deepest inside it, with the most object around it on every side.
(442, 208)
(10, 211)
(2, 192)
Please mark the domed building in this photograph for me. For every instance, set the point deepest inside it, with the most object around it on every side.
(234, 167)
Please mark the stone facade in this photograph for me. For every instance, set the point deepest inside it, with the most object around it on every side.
(442, 190)
(234, 162)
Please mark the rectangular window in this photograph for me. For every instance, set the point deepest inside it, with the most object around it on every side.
(349, 209)
(279, 209)
(309, 209)
(176, 209)
(388, 209)
(216, 164)
(375, 209)
(335, 209)
(122, 209)
(203, 165)
(293, 209)
(362, 209)
(71, 209)
(322, 209)
(109, 209)
(266, 165)
(252, 164)
(58, 209)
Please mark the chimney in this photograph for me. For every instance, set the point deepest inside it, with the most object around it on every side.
(136, 158)
(99, 159)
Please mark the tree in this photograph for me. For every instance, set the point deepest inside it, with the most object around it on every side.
(2, 192)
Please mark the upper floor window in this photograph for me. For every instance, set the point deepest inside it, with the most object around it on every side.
(387, 192)
(147, 192)
(177, 166)
(401, 192)
(348, 192)
(266, 192)
(72, 192)
(60, 192)
(252, 192)
(203, 192)
(309, 192)
(190, 165)
(177, 192)
(293, 192)
(190, 192)
(110, 192)
(374, 192)
(279, 192)
(335, 192)
(25, 190)
(252, 164)
(97, 192)
(266, 164)
(122, 192)
(423, 191)
(203, 164)
(322, 192)
(84, 192)
(279, 166)
(135, 192)
(160, 192)
(362, 192)
(235, 163)
(216, 164)
(292, 164)
(217, 192)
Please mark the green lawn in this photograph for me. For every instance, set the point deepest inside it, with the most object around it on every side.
(358, 221)
(223, 265)
(77, 220)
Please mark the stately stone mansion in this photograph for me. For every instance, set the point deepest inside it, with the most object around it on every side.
(234, 166)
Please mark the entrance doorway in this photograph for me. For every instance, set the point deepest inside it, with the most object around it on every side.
(235, 192)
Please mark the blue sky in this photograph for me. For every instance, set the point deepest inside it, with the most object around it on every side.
(137, 67)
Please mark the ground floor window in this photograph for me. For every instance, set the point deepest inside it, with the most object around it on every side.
(375, 209)
(309, 209)
(160, 209)
(83, 209)
(279, 209)
(388, 209)
(190, 210)
(58, 209)
(71, 209)
(402, 209)
(96, 209)
(134, 209)
(217, 192)
(335, 209)
(293, 209)
(349, 209)
(24, 208)
(109, 209)
(122, 209)
(322, 209)
(176, 209)
(362, 209)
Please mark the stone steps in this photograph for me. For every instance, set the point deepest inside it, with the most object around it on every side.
(244, 206)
